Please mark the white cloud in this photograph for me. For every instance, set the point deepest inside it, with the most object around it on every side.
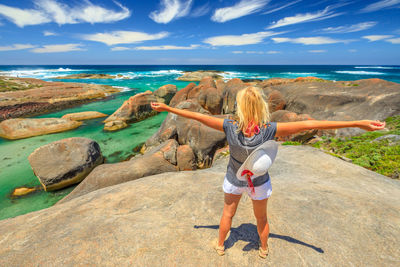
(242, 8)
(255, 52)
(373, 38)
(23, 17)
(123, 37)
(317, 51)
(58, 48)
(282, 7)
(170, 10)
(307, 17)
(272, 52)
(310, 40)
(200, 11)
(16, 47)
(393, 40)
(351, 28)
(53, 11)
(49, 33)
(167, 47)
(120, 48)
(236, 40)
(380, 5)
(237, 52)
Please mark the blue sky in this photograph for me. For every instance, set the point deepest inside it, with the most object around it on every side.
(200, 32)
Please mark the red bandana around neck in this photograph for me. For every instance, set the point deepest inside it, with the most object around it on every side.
(252, 128)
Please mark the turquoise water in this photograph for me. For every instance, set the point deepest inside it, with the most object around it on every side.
(15, 170)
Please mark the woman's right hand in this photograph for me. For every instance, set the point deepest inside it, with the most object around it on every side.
(369, 125)
(157, 106)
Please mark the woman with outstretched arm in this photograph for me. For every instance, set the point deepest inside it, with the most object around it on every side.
(243, 136)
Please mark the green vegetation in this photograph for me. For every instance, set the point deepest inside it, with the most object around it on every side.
(7, 85)
(291, 143)
(381, 156)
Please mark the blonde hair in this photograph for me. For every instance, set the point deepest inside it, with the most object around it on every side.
(251, 106)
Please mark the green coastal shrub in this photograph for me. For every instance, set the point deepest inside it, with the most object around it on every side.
(291, 143)
(6, 85)
(380, 156)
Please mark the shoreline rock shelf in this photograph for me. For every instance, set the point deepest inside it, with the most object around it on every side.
(34, 97)
(196, 76)
(308, 226)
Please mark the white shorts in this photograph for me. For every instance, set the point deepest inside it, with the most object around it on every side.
(261, 192)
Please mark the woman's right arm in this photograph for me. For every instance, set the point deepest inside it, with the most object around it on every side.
(210, 121)
(288, 128)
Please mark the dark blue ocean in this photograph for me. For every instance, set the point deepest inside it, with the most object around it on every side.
(149, 75)
(15, 170)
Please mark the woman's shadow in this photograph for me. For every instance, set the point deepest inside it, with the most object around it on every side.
(248, 232)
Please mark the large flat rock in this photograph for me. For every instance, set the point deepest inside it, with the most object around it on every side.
(24, 128)
(323, 212)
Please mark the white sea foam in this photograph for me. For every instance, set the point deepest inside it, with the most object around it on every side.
(361, 72)
(300, 73)
(377, 67)
(40, 73)
(158, 73)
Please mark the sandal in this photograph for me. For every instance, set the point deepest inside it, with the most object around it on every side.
(263, 253)
(219, 249)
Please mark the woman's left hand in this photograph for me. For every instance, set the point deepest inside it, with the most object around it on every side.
(369, 125)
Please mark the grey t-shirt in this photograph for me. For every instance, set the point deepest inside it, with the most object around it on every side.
(238, 144)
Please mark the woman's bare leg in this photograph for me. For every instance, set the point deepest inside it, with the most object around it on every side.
(260, 212)
(230, 206)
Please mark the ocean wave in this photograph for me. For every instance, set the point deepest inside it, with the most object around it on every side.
(40, 73)
(158, 73)
(299, 73)
(360, 72)
(377, 67)
(234, 74)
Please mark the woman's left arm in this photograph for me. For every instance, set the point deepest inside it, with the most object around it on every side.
(288, 128)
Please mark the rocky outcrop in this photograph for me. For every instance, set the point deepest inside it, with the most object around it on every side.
(112, 126)
(186, 160)
(22, 191)
(85, 115)
(138, 107)
(24, 128)
(182, 95)
(203, 140)
(36, 97)
(196, 76)
(90, 76)
(372, 99)
(160, 159)
(231, 88)
(276, 101)
(65, 162)
(327, 213)
(287, 116)
(166, 93)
